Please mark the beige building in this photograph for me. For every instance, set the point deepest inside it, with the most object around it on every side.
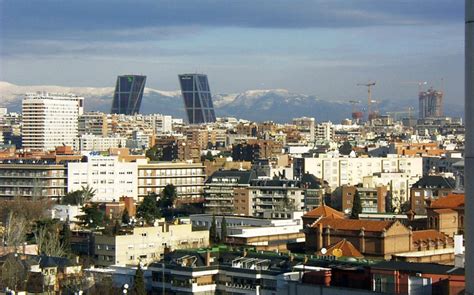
(146, 244)
(188, 178)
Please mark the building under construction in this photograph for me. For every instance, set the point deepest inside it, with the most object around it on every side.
(430, 103)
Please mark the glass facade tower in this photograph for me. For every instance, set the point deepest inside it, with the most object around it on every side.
(128, 94)
(197, 98)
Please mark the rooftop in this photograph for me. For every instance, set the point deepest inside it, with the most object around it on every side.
(451, 201)
(354, 224)
(324, 211)
(435, 181)
(346, 247)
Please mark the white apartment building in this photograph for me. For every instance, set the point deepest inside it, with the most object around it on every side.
(110, 178)
(50, 120)
(339, 171)
(325, 131)
(91, 142)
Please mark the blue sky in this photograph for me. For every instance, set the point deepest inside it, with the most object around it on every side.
(320, 47)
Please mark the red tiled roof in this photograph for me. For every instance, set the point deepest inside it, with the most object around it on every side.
(429, 234)
(444, 211)
(450, 201)
(354, 224)
(347, 248)
(324, 211)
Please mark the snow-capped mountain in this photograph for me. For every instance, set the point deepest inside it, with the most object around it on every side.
(279, 105)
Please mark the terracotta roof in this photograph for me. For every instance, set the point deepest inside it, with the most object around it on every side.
(354, 224)
(347, 248)
(444, 211)
(324, 211)
(450, 201)
(424, 235)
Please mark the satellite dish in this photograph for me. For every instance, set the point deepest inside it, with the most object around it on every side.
(337, 252)
(324, 251)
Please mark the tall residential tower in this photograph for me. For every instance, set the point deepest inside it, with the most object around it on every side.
(197, 98)
(50, 120)
(128, 94)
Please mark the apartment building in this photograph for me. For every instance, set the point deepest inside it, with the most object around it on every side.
(188, 178)
(146, 244)
(91, 142)
(95, 123)
(32, 178)
(219, 189)
(270, 198)
(109, 177)
(50, 120)
(325, 131)
(429, 188)
(339, 171)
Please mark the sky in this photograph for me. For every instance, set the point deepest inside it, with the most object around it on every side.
(317, 47)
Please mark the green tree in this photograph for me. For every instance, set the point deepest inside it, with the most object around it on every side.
(87, 194)
(154, 153)
(125, 217)
(168, 197)
(209, 156)
(223, 230)
(148, 209)
(389, 203)
(345, 148)
(213, 231)
(139, 282)
(93, 216)
(66, 235)
(79, 197)
(117, 227)
(356, 206)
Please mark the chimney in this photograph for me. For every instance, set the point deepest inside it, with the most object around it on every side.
(362, 240)
(328, 236)
(327, 278)
(410, 238)
(320, 236)
(208, 258)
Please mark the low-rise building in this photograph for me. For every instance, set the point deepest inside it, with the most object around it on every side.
(428, 188)
(146, 244)
(446, 214)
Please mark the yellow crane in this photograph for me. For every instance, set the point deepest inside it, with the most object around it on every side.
(369, 86)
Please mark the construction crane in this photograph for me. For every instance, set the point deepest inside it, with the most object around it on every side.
(369, 95)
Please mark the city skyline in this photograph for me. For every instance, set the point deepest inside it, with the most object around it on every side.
(324, 48)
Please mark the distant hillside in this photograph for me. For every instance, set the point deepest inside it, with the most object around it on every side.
(278, 105)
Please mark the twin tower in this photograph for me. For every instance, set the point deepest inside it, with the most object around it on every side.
(194, 89)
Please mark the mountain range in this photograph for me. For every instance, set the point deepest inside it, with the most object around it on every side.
(278, 105)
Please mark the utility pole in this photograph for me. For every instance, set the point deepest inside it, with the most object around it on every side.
(469, 145)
